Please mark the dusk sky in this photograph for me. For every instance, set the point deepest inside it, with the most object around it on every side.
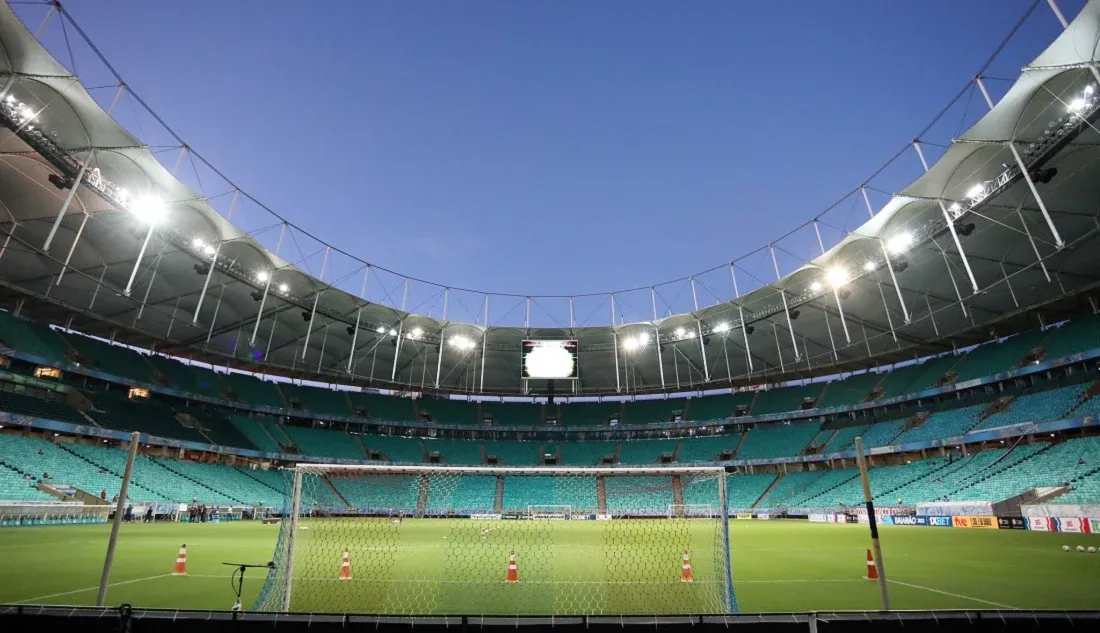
(555, 147)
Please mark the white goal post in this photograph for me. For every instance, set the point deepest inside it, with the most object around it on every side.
(483, 540)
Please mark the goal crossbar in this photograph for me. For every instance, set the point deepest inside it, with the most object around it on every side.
(317, 468)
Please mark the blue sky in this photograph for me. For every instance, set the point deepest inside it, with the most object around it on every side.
(556, 147)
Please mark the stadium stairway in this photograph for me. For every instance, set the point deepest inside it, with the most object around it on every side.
(769, 489)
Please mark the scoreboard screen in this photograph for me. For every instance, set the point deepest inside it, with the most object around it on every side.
(549, 360)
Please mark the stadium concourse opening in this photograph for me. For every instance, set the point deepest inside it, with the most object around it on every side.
(900, 430)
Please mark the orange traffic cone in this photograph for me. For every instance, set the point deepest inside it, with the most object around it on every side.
(513, 571)
(685, 571)
(872, 571)
(345, 566)
(181, 562)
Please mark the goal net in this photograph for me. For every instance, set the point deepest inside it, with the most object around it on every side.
(502, 541)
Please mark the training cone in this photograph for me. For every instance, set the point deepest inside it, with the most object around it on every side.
(345, 566)
(872, 571)
(685, 571)
(513, 571)
(181, 562)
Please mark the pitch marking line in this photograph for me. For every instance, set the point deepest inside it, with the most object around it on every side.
(954, 595)
(69, 593)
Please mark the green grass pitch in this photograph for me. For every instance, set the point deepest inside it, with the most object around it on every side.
(777, 566)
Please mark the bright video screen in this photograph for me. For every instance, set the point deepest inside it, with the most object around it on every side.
(549, 360)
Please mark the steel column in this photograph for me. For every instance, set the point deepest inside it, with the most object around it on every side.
(137, 262)
(65, 205)
(786, 309)
(1035, 192)
(72, 248)
(741, 315)
(206, 282)
(316, 298)
(260, 314)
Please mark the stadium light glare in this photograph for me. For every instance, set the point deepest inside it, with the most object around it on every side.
(977, 191)
(263, 276)
(149, 209)
(722, 326)
(198, 244)
(209, 249)
(1077, 105)
(381, 329)
(416, 333)
(869, 265)
(393, 332)
(284, 288)
(900, 243)
(837, 276)
(680, 332)
(462, 343)
(816, 286)
(1089, 89)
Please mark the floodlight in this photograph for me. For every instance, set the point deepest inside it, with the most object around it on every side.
(869, 265)
(977, 191)
(900, 243)
(381, 329)
(722, 326)
(283, 288)
(643, 338)
(393, 332)
(1077, 105)
(209, 249)
(416, 333)
(461, 342)
(1089, 89)
(262, 276)
(815, 286)
(149, 209)
(837, 276)
(10, 99)
(689, 334)
(198, 243)
(679, 332)
(630, 344)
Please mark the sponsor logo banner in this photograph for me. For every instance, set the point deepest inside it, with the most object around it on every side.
(974, 522)
(939, 521)
(764, 517)
(1073, 524)
(906, 520)
(818, 518)
(743, 515)
(487, 516)
(1094, 525)
(831, 518)
(1012, 523)
(1041, 524)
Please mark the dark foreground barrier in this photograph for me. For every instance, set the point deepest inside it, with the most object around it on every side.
(36, 619)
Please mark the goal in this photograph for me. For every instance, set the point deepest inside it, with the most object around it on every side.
(502, 541)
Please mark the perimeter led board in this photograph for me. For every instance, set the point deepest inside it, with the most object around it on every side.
(549, 360)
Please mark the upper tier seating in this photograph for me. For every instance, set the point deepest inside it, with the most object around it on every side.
(718, 407)
(645, 452)
(382, 407)
(844, 438)
(992, 358)
(254, 391)
(216, 427)
(653, 411)
(514, 453)
(115, 411)
(49, 406)
(456, 452)
(255, 433)
(777, 440)
(586, 453)
(30, 337)
(316, 400)
(446, 411)
(852, 390)
(588, 413)
(786, 398)
(949, 423)
(113, 359)
(882, 433)
(706, 449)
(1041, 406)
(512, 413)
(189, 378)
(399, 450)
(1080, 334)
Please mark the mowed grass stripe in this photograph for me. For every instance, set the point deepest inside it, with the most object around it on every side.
(777, 566)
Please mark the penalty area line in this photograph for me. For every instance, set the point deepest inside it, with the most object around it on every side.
(954, 595)
(69, 593)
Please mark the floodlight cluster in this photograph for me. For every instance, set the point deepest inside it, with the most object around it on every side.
(462, 343)
(636, 342)
(414, 334)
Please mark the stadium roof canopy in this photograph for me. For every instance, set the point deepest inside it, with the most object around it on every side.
(964, 247)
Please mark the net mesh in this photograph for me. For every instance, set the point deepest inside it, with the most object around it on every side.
(438, 541)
